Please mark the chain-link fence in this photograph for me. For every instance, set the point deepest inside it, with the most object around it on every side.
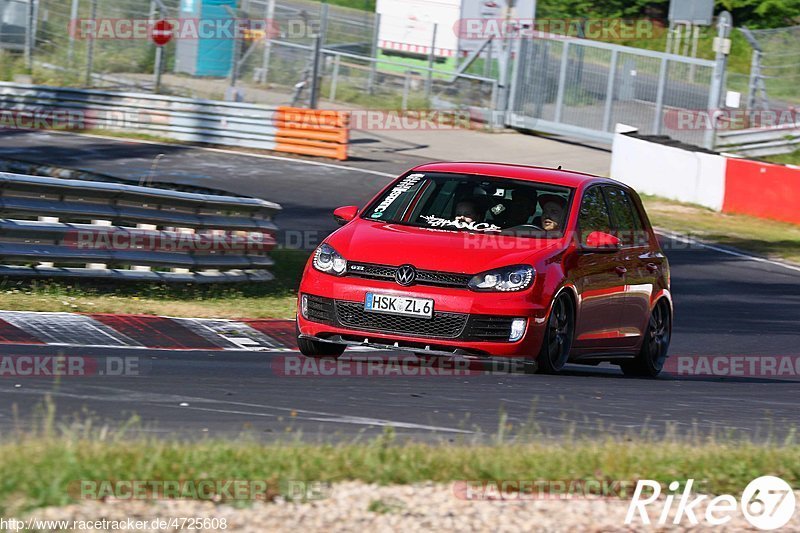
(585, 88)
(775, 69)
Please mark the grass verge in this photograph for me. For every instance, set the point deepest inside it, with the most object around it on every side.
(44, 469)
(274, 299)
(768, 238)
(786, 159)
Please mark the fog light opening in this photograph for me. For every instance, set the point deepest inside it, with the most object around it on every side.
(304, 306)
(517, 329)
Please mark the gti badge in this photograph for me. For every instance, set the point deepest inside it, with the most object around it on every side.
(405, 275)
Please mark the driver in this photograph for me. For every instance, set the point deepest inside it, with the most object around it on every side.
(553, 209)
(466, 211)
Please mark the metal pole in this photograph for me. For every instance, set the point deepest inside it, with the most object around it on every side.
(335, 77)
(752, 86)
(724, 24)
(316, 68)
(695, 40)
(431, 57)
(562, 81)
(90, 47)
(670, 37)
(30, 36)
(268, 44)
(73, 19)
(406, 88)
(373, 71)
(612, 78)
(158, 68)
(236, 52)
(662, 81)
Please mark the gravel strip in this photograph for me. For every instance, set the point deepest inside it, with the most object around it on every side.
(356, 506)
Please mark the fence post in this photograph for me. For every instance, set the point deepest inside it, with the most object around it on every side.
(612, 78)
(73, 18)
(658, 120)
(373, 70)
(317, 62)
(562, 81)
(90, 47)
(431, 57)
(30, 35)
(724, 24)
(752, 85)
(508, 90)
(334, 77)
(268, 42)
(406, 89)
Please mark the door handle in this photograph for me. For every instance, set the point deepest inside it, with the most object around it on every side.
(621, 270)
(652, 267)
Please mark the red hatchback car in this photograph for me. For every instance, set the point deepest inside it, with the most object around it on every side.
(493, 261)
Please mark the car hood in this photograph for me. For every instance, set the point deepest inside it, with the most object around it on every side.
(433, 249)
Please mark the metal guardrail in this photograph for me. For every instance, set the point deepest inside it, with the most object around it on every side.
(759, 142)
(282, 129)
(117, 231)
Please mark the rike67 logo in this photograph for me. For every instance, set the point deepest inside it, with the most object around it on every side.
(767, 503)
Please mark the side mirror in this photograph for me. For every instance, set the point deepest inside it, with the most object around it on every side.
(343, 215)
(600, 242)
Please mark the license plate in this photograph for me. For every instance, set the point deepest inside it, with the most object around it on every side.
(398, 305)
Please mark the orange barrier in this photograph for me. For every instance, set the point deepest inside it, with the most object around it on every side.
(323, 133)
(763, 190)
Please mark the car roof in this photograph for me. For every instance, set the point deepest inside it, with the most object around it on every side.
(565, 178)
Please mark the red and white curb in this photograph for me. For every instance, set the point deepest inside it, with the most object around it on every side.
(145, 332)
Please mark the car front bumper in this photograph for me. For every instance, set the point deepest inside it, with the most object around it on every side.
(484, 315)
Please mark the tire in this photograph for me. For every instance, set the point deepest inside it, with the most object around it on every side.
(650, 360)
(317, 349)
(558, 336)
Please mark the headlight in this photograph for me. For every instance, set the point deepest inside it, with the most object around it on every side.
(508, 279)
(326, 259)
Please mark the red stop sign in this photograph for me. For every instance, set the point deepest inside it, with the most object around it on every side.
(162, 32)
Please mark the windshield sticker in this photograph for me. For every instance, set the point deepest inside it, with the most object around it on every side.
(399, 189)
(437, 222)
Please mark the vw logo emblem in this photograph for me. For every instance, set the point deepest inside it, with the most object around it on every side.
(405, 275)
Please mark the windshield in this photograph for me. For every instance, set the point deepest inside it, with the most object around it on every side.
(474, 203)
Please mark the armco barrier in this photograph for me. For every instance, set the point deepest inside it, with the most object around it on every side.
(762, 190)
(723, 183)
(53, 227)
(282, 129)
(760, 142)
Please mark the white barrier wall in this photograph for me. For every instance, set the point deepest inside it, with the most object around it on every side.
(669, 172)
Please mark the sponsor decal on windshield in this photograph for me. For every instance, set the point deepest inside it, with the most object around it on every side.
(437, 222)
(402, 187)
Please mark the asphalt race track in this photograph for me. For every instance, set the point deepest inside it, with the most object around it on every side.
(725, 305)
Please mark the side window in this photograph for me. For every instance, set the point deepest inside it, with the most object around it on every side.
(594, 214)
(626, 220)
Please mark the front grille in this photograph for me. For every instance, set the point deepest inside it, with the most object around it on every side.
(320, 309)
(442, 325)
(489, 328)
(424, 277)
